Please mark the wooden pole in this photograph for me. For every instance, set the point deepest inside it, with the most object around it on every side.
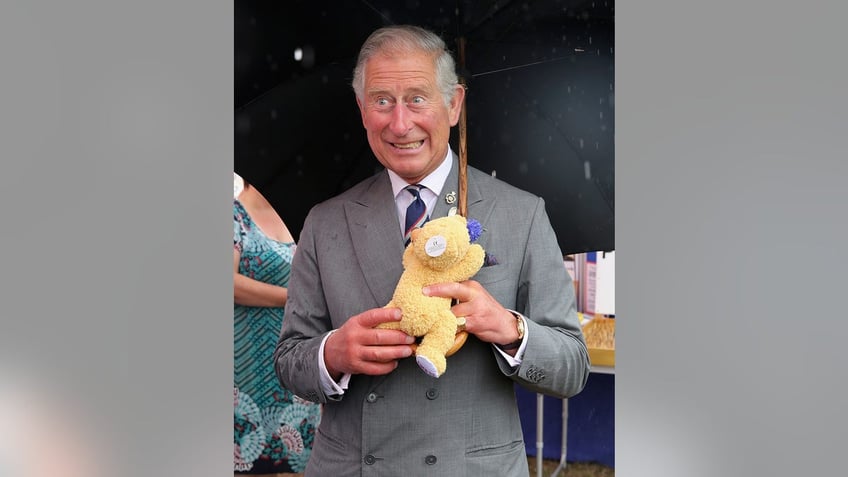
(462, 202)
(462, 206)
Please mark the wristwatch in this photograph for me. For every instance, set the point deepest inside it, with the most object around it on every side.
(519, 324)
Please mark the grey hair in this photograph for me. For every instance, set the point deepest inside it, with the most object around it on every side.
(406, 39)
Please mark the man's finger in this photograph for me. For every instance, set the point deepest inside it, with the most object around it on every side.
(463, 291)
(445, 290)
(372, 318)
(389, 337)
(385, 354)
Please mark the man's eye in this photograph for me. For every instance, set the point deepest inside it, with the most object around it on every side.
(382, 102)
(418, 100)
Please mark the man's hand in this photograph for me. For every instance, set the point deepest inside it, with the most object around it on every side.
(359, 348)
(484, 316)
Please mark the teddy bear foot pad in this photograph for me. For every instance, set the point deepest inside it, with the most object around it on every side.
(427, 366)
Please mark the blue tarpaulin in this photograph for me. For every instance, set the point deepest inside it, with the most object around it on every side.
(591, 422)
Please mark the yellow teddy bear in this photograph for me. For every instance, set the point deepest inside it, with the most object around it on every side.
(439, 252)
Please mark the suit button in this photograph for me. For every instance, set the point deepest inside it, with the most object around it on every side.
(430, 460)
(370, 459)
(432, 393)
(372, 397)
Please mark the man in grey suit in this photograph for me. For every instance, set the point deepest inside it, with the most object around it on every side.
(382, 415)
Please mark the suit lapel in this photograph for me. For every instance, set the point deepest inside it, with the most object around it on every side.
(441, 208)
(480, 205)
(377, 242)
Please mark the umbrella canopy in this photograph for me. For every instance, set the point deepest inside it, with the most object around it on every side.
(540, 102)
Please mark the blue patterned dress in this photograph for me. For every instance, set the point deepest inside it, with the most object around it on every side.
(273, 428)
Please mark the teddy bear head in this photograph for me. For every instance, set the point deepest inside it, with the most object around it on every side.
(441, 242)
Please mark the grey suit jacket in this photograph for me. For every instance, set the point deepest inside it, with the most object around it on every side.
(466, 422)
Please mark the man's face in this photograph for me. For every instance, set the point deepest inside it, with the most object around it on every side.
(404, 114)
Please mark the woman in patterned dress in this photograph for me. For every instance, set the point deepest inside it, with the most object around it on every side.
(273, 428)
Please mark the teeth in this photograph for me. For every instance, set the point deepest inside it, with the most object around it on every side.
(410, 145)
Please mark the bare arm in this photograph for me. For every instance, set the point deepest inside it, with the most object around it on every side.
(250, 292)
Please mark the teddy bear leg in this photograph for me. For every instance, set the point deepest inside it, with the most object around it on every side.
(430, 354)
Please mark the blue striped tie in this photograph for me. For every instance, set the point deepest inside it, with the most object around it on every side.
(416, 213)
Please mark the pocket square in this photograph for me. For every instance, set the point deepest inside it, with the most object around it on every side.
(489, 260)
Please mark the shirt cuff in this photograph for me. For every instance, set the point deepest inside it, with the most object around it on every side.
(514, 361)
(330, 387)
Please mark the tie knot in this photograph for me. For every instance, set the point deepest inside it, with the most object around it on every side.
(414, 189)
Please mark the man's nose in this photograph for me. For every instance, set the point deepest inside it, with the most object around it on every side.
(401, 120)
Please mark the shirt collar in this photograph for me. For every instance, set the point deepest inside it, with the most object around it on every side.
(435, 181)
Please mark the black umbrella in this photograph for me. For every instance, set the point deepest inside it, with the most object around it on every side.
(540, 103)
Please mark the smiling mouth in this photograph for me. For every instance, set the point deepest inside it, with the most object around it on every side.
(408, 145)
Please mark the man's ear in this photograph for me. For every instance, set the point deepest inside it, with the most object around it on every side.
(455, 106)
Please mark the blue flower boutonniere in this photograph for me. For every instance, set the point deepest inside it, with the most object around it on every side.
(475, 230)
